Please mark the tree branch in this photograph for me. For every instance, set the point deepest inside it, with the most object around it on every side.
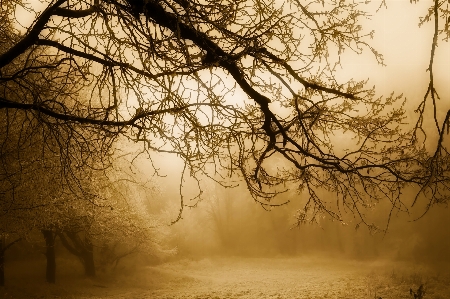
(169, 20)
(32, 36)
(69, 13)
(4, 103)
(68, 246)
(106, 62)
(10, 244)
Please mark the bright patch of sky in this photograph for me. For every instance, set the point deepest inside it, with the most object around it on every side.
(26, 16)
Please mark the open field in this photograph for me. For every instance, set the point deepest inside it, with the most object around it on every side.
(233, 277)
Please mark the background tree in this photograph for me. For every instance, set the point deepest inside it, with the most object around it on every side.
(114, 223)
(247, 87)
(51, 179)
(43, 164)
(37, 191)
(91, 208)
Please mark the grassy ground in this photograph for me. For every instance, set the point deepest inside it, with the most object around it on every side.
(232, 277)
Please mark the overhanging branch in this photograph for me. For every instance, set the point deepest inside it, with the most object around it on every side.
(31, 37)
(69, 13)
(7, 104)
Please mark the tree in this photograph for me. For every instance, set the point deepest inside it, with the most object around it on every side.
(49, 237)
(248, 87)
(37, 188)
(43, 165)
(3, 247)
(113, 222)
(89, 207)
(43, 190)
(24, 182)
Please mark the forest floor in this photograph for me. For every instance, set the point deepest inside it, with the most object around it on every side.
(236, 277)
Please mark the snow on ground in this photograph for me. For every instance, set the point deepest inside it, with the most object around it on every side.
(236, 277)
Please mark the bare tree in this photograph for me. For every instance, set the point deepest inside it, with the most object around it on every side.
(86, 208)
(37, 189)
(247, 86)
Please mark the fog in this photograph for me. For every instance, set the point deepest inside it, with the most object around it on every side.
(229, 222)
(229, 246)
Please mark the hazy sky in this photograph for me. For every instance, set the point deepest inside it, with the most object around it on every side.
(405, 47)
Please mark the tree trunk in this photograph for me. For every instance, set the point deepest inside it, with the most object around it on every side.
(88, 257)
(3, 248)
(2, 260)
(49, 237)
(83, 249)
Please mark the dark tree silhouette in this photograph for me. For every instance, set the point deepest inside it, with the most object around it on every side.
(3, 247)
(50, 255)
(80, 247)
(247, 87)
